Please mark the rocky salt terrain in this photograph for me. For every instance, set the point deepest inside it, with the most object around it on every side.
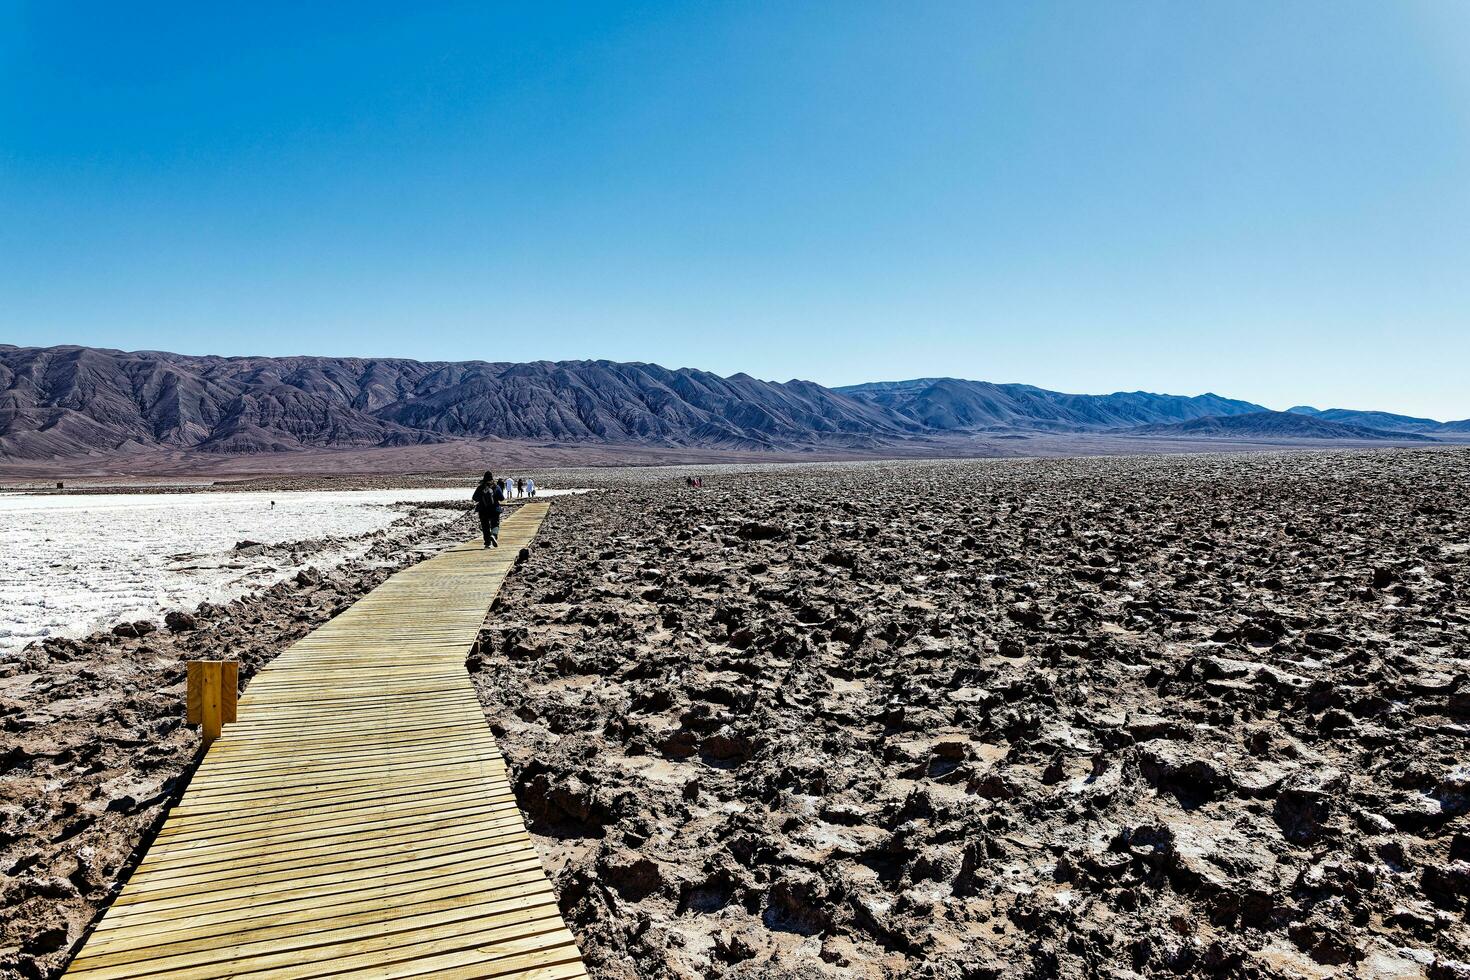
(94, 749)
(1198, 716)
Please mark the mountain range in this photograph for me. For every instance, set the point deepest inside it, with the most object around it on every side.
(61, 402)
(950, 404)
(1282, 425)
(1382, 420)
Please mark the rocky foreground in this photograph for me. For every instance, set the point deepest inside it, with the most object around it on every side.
(1103, 718)
(1108, 718)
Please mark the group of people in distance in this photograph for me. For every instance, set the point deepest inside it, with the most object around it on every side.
(695, 482)
(488, 497)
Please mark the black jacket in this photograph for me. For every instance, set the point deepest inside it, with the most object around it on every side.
(487, 499)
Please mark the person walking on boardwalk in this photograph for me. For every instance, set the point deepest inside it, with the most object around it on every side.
(487, 498)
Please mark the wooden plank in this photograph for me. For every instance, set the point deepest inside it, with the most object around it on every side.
(229, 690)
(462, 841)
(194, 697)
(211, 702)
(297, 942)
(355, 818)
(411, 898)
(375, 894)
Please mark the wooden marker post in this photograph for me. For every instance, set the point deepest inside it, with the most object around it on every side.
(213, 687)
(229, 689)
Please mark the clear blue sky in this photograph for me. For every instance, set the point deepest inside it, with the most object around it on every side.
(1269, 200)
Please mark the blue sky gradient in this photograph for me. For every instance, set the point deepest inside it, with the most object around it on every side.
(1270, 200)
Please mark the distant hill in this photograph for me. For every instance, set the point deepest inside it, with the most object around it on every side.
(58, 403)
(950, 404)
(1277, 425)
(1373, 420)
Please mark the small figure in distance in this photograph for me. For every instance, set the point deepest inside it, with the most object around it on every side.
(487, 498)
(530, 487)
(520, 486)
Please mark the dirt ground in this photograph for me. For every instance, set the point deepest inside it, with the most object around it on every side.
(1082, 718)
(1108, 717)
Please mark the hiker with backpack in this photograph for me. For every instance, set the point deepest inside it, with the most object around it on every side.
(487, 498)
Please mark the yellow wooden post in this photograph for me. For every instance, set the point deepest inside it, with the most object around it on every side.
(193, 711)
(212, 689)
(211, 706)
(229, 690)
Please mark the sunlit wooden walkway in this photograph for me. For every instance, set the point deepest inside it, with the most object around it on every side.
(357, 820)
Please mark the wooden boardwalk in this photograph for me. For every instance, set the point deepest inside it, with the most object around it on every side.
(357, 820)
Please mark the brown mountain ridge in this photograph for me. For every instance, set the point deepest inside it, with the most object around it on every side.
(68, 401)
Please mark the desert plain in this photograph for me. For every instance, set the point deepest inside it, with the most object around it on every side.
(1116, 717)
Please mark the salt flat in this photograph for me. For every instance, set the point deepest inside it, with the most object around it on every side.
(76, 563)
